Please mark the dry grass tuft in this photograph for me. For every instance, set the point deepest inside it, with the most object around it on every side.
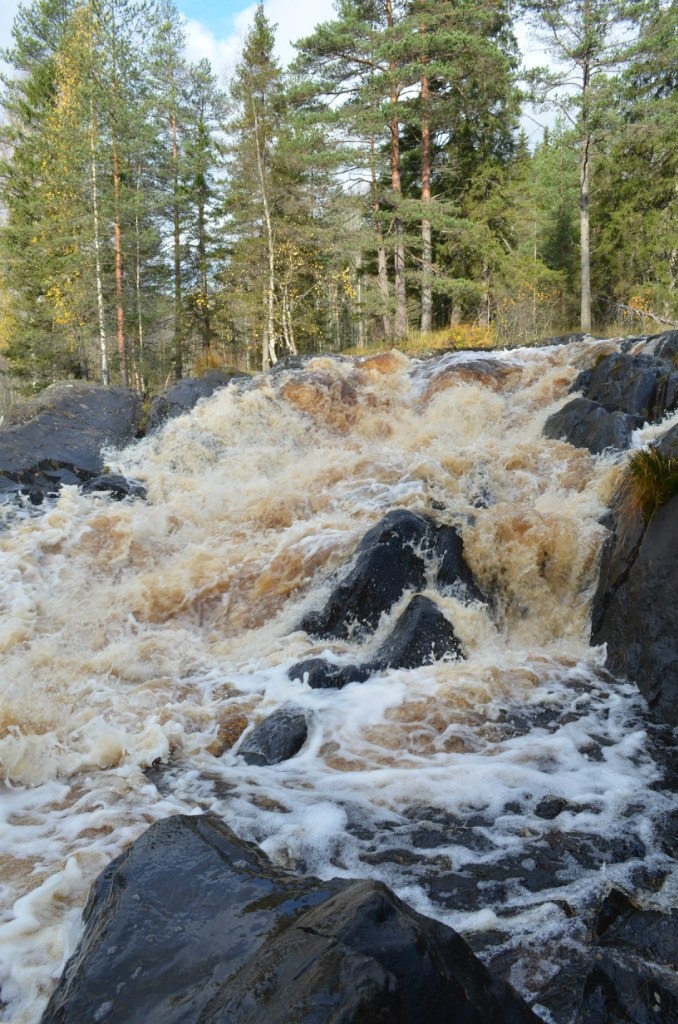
(208, 359)
(651, 480)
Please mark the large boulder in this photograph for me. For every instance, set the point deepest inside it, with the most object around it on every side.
(421, 636)
(57, 437)
(636, 609)
(185, 395)
(588, 424)
(619, 393)
(633, 974)
(193, 926)
(278, 738)
(626, 383)
(391, 558)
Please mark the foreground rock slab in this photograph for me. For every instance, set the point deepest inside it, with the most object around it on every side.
(194, 926)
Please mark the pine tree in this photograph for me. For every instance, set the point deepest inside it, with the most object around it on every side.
(637, 237)
(206, 107)
(357, 58)
(257, 95)
(588, 39)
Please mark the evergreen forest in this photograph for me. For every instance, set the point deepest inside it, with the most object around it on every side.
(158, 220)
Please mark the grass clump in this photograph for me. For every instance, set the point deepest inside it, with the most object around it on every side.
(651, 480)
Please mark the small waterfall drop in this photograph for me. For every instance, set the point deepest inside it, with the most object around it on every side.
(139, 641)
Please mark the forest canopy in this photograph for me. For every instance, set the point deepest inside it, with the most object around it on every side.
(158, 221)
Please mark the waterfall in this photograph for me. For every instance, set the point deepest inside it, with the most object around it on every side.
(140, 641)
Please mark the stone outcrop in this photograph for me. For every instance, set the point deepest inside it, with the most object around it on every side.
(57, 437)
(193, 926)
(185, 395)
(619, 393)
(636, 609)
(587, 424)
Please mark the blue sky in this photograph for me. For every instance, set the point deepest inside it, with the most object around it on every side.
(216, 29)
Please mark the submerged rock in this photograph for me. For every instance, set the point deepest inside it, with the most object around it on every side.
(391, 558)
(56, 438)
(278, 738)
(421, 636)
(117, 486)
(193, 926)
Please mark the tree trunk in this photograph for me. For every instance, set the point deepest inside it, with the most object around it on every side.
(141, 382)
(103, 348)
(426, 243)
(268, 355)
(382, 271)
(584, 157)
(117, 245)
(178, 340)
(584, 232)
(399, 249)
(205, 326)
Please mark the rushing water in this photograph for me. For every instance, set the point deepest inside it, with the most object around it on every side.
(139, 640)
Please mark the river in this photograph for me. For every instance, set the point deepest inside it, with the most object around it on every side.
(139, 639)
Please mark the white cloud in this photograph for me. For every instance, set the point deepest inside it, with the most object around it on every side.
(202, 42)
(292, 24)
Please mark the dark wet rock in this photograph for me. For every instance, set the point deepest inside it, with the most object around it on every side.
(622, 383)
(56, 438)
(667, 444)
(664, 346)
(185, 395)
(587, 424)
(278, 738)
(550, 807)
(636, 608)
(193, 926)
(563, 339)
(391, 558)
(650, 934)
(322, 674)
(420, 636)
(16, 494)
(621, 992)
(644, 384)
(117, 486)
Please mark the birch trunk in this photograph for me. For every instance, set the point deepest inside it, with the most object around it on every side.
(268, 354)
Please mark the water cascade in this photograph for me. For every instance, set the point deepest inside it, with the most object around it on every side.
(502, 792)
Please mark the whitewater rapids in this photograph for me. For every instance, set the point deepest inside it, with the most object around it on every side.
(138, 641)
